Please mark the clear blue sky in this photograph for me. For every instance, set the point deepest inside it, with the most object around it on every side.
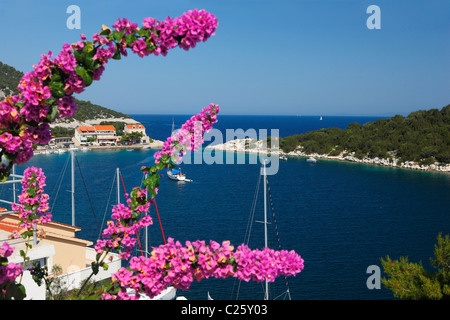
(299, 57)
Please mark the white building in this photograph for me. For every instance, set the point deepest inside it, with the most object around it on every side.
(106, 134)
(137, 127)
(85, 134)
(97, 134)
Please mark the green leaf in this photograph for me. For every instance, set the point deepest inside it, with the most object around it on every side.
(57, 89)
(117, 55)
(105, 32)
(118, 35)
(159, 166)
(53, 112)
(95, 267)
(130, 38)
(152, 181)
(144, 32)
(88, 47)
(152, 193)
(82, 72)
(19, 293)
(79, 56)
(89, 62)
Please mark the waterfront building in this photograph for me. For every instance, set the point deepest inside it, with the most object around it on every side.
(85, 134)
(106, 134)
(97, 134)
(139, 128)
(60, 141)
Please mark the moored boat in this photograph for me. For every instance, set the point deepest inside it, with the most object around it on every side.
(176, 175)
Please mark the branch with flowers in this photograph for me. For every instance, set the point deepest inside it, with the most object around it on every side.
(172, 264)
(33, 211)
(47, 92)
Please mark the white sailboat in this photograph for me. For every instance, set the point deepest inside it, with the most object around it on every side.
(286, 294)
(176, 174)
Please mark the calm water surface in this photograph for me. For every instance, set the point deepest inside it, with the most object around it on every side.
(340, 217)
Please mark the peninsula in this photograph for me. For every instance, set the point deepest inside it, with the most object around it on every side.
(420, 141)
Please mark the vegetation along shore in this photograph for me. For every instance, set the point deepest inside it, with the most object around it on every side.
(420, 141)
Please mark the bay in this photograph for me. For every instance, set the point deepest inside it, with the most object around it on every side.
(340, 217)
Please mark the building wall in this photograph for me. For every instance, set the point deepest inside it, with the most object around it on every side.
(127, 129)
(70, 251)
(69, 255)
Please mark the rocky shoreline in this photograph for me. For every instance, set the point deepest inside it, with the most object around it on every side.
(156, 144)
(73, 123)
(249, 145)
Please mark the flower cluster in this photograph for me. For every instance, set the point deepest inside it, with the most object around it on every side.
(33, 202)
(8, 272)
(46, 92)
(177, 265)
(190, 136)
(120, 232)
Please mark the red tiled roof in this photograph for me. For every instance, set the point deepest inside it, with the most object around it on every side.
(108, 127)
(9, 227)
(85, 129)
(135, 126)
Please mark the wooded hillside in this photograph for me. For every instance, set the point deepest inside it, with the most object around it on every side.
(423, 136)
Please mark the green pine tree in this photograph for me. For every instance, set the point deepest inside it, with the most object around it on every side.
(410, 281)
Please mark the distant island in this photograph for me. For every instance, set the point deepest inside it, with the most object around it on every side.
(419, 141)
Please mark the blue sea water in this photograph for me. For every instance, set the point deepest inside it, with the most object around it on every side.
(159, 126)
(340, 217)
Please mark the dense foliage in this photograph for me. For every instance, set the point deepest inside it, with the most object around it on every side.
(62, 132)
(423, 136)
(410, 281)
(9, 79)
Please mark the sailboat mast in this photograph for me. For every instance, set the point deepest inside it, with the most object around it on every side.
(266, 296)
(72, 155)
(118, 185)
(146, 227)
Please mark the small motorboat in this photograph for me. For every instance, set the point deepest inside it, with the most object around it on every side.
(311, 159)
(176, 175)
